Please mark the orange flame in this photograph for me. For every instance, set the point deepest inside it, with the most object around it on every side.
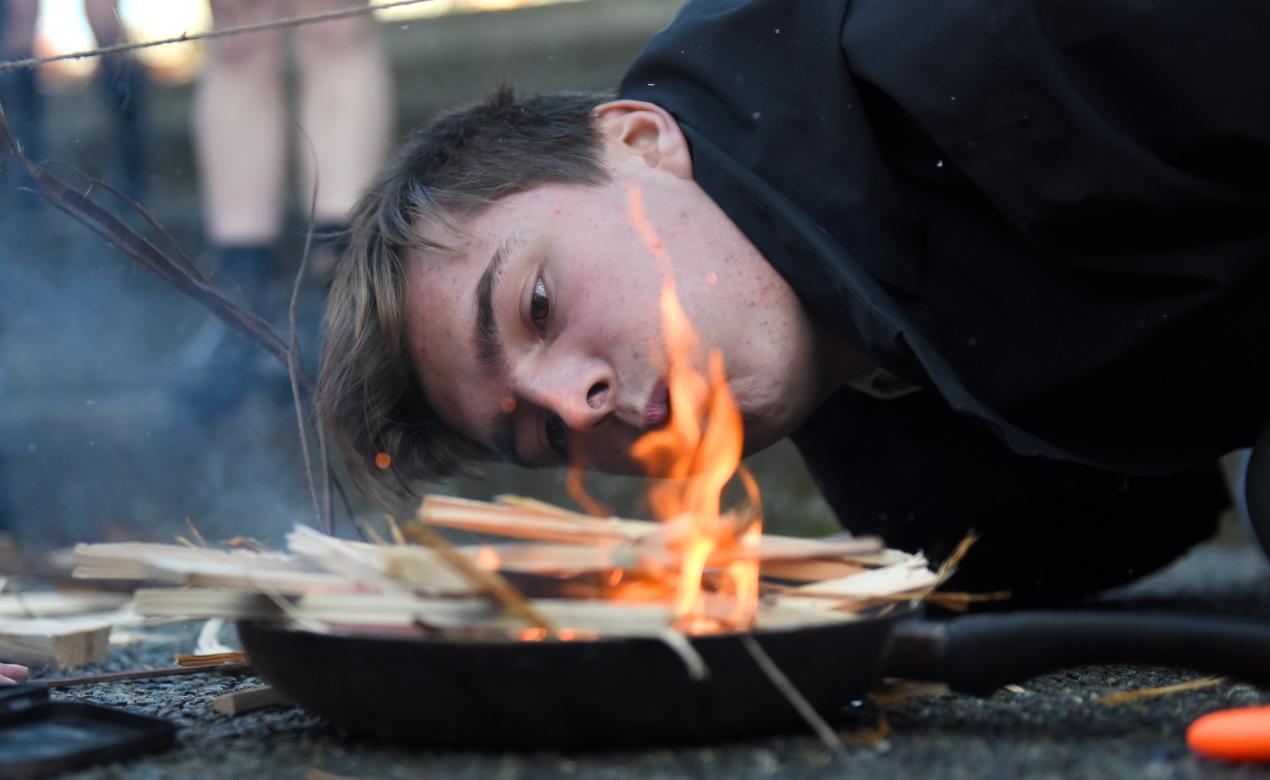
(487, 559)
(695, 456)
(578, 493)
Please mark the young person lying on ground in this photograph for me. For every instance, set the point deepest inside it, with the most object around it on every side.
(1002, 266)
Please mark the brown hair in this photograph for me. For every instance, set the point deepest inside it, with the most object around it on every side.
(369, 396)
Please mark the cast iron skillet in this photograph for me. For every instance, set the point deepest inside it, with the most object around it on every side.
(628, 692)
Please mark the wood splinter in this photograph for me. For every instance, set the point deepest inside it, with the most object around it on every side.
(492, 582)
(248, 700)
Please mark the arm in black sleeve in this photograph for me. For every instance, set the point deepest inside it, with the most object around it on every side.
(921, 476)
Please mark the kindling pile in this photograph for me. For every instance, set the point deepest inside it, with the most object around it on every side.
(571, 577)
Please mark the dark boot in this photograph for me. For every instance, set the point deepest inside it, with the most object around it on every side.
(224, 365)
(124, 85)
(24, 110)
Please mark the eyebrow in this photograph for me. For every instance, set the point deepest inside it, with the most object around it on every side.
(485, 329)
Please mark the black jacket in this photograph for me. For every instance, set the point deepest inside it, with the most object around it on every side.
(1053, 215)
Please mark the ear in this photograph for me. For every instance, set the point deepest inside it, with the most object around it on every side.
(646, 131)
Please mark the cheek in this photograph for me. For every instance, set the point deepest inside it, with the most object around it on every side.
(621, 327)
(613, 307)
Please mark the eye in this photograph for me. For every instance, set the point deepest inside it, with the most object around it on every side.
(557, 435)
(539, 305)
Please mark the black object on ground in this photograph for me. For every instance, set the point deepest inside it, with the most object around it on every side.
(635, 692)
(1257, 487)
(39, 737)
(1052, 726)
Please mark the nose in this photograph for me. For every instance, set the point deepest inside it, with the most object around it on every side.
(580, 391)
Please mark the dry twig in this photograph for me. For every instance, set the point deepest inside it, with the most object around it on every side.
(1124, 697)
(212, 659)
(799, 702)
(491, 582)
(275, 24)
(143, 674)
(185, 277)
(320, 508)
(80, 207)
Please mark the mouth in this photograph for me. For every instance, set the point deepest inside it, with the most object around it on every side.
(657, 410)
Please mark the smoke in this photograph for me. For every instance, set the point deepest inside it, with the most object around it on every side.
(104, 425)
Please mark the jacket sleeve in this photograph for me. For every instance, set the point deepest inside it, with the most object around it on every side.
(922, 477)
(1090, 124)
(1093, 183)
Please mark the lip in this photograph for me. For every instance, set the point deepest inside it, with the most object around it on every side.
(657, 410)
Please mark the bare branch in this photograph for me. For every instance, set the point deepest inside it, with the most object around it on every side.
(276, 24)
(293, 349)
(188, 280)
(799, 702)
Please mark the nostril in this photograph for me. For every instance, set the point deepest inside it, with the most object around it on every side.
(595, 396)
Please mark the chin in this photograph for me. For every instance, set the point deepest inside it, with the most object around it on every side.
(768, 416)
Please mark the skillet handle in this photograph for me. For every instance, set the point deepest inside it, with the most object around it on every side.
(980, 653)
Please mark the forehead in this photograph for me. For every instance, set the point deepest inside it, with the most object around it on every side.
(440, 314)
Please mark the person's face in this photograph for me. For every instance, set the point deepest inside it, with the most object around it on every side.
(540, 334)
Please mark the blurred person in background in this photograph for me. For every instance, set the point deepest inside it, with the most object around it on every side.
(241, 132)
(120, 78)
(24, 107)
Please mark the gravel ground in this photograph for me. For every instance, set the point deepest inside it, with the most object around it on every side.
(1053, 728)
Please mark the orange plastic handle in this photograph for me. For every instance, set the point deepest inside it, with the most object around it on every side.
(1241, 734)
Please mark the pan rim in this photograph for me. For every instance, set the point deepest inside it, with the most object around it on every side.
(896, 613)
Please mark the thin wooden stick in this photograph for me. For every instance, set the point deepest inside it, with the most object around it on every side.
(198, 536)
(248, 700)
(143, 674)
(538, 506)
(184, 259)
(491, 582)
(1123, 697)
(393, 528)
(949, 567)
(276, 24)
(293, 348)
(954, 600)
(794, 697)
(213, 659)
(370, 534)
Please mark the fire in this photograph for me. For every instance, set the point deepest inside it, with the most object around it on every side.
(487, 559)
(695, 456)
(533, 634)
(578, 493)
